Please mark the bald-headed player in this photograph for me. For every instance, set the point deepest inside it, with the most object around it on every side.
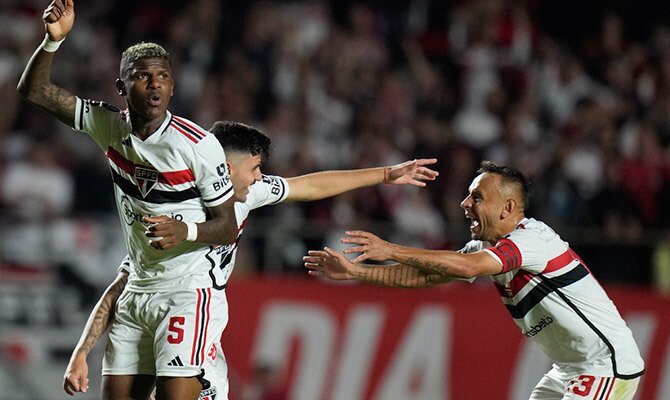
(547, 289)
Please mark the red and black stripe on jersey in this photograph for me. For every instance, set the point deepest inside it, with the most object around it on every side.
(188, 129)
(155, 196)
(510, 255)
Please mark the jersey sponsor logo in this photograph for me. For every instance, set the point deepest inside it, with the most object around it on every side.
(208, 394)
(146, 179)
(131, 216)
(221, 170)
(537, 328)
(276, 186)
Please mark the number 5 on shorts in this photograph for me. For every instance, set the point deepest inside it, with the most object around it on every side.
(176, 335)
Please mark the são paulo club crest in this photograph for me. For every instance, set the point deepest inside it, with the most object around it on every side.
(208, 394)
(146, 179)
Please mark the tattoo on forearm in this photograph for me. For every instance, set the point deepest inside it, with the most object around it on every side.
(103, 315)
(434, 267)
(402, 276)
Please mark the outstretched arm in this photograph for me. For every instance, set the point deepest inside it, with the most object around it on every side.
(320, 185)
(447, 263)
(76, 373)
(35, 83)
(336, 266)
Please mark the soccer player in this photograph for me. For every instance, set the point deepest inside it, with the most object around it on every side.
(246, 149)
(169, 174)
(545, 286)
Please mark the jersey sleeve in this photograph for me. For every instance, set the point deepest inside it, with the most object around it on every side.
(269, 190)
(470, 247)
(98, 119)
(125, 265)
(211, 174)
(520, 249)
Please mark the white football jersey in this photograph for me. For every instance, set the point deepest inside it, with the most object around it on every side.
(178, 171)
(556, 301)
(269, 190)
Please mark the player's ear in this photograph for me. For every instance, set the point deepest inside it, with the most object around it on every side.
(120, 87)
(509, 207)
(229, 166)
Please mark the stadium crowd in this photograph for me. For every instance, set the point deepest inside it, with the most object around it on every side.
(352, 85)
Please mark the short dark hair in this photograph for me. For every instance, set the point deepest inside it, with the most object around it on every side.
(140, 51)
(238, 137)
(510, 175)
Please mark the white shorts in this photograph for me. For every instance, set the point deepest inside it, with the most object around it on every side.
(215, 379)
(584, 387)
(165, 334)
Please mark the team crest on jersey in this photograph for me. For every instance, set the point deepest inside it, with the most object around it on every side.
(208, 394)
(146, 179)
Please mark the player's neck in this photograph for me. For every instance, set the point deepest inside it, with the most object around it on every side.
(507, 226)
(143, 128)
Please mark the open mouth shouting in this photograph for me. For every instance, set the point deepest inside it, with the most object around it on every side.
(155, 100)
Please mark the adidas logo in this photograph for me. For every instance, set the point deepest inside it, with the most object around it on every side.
(176, 362)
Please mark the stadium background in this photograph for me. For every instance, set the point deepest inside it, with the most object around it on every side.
(575, 94)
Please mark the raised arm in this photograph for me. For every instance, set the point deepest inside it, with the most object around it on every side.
(76, 373)
(336, 266)
(446, 263)
(320, 185)
(35, 83)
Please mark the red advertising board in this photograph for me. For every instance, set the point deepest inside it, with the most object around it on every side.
(342, 341)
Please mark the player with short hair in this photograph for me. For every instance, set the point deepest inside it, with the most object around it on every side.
(246, 150)
(174, 198)
(545, 286)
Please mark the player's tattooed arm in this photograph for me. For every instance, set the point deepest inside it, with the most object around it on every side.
(429, 266)
(334, 265)
(102, 315)
(75, 378)
(35, 83)
(399, 276)
(36, 87)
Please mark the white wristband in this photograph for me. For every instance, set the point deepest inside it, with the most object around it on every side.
(49, 45)
(192, 231)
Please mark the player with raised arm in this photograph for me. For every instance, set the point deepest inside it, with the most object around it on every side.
(169, 175)
(246, 150)
(548, 290)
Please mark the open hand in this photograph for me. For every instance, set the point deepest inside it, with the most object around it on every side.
(412, 172)
(329, 263)
(372, 247)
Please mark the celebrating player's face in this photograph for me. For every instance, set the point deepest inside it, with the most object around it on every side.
(245, 170)
(148, 87)
(483, 206)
